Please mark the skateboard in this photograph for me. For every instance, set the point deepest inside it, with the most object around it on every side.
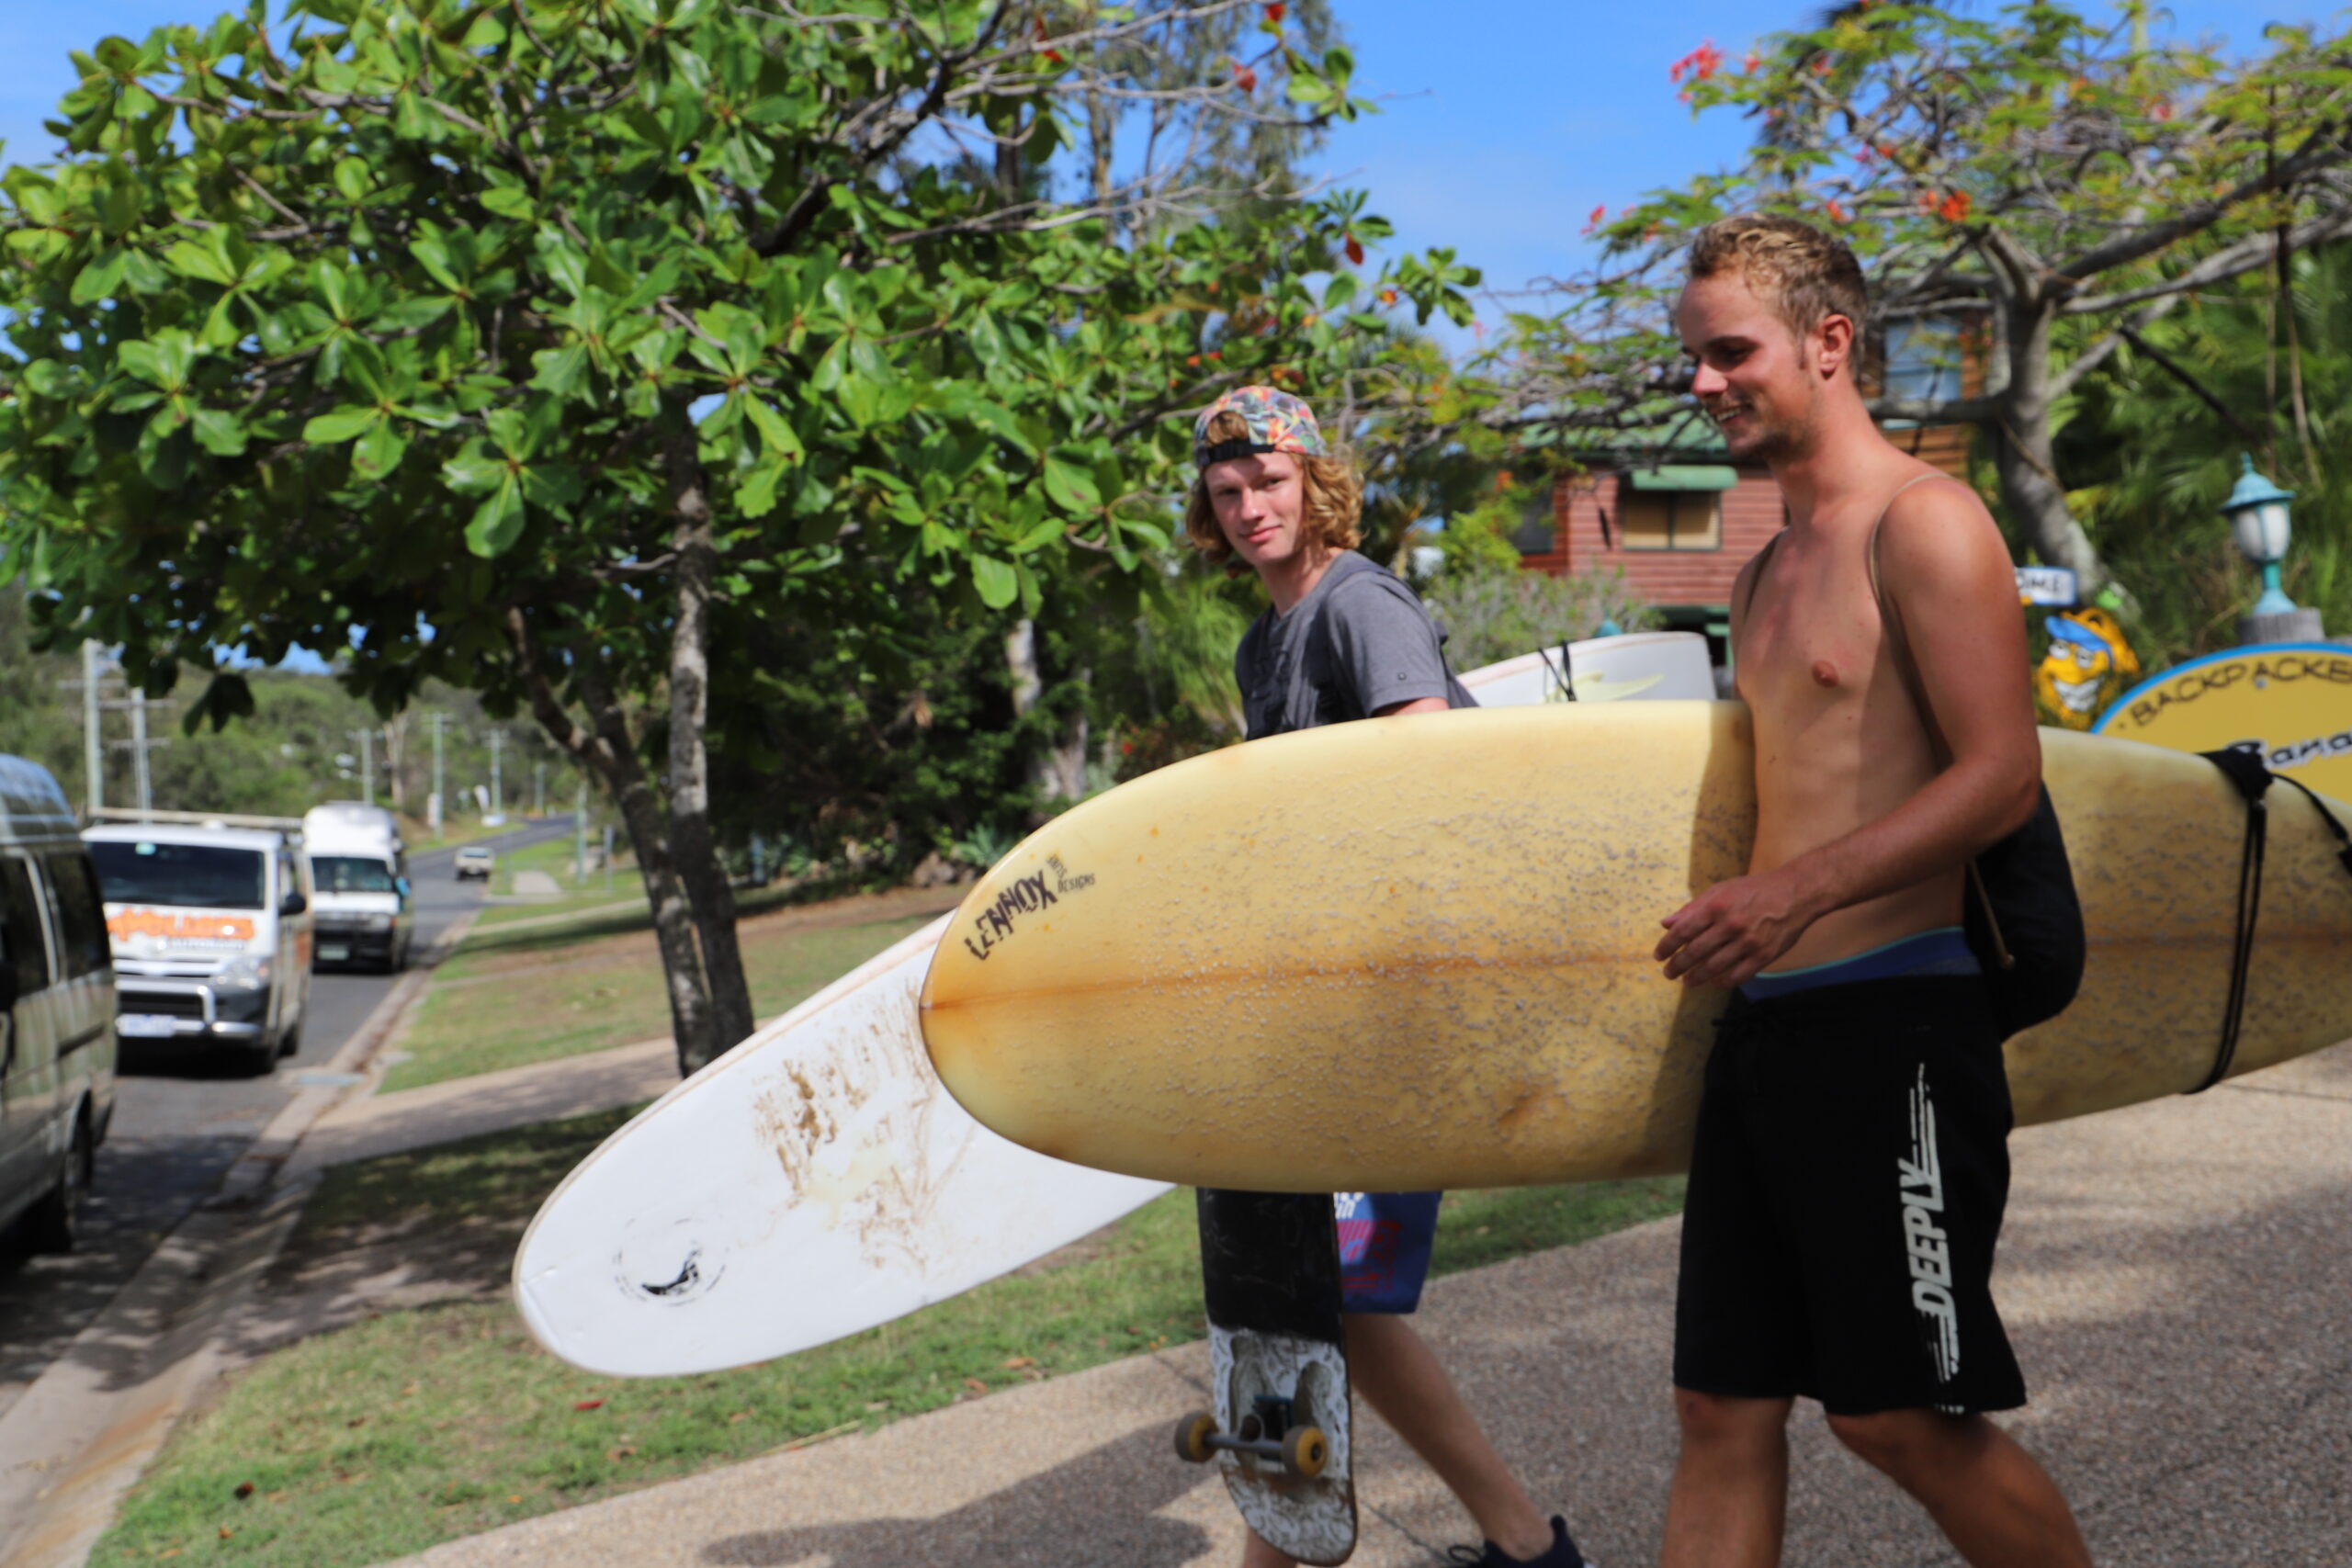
(1278, 1370)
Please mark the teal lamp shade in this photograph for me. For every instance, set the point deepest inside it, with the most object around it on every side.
(2257, 512)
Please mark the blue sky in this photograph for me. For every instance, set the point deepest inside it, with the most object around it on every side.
(1501, 134)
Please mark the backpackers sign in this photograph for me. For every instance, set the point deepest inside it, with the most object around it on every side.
(2291, 701)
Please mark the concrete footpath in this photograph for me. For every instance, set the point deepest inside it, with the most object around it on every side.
(370, 1126)
(2178, 1277)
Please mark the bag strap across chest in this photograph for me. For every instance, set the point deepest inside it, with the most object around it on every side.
(1898, 647)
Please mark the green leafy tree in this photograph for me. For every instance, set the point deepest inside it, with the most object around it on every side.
(2037, 186)
(2155, 436)
(534, 344)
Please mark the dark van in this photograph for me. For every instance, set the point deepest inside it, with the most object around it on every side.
(57, 1036)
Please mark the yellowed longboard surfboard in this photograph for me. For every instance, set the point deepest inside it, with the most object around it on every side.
(1415, 953)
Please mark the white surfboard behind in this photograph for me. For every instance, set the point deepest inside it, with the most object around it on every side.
(818, 1180)
(813, 1182)
(1652, 666)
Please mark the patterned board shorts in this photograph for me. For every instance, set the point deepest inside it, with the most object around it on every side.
(1384, 1248)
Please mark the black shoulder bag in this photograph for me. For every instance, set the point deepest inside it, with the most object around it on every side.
(2023, 919)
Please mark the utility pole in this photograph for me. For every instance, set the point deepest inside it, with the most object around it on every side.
(433, 807)
(366, 738)
(608, 857)
(139, 752)
(580, 837)
(97, 669)
(539, 789)
(93, 748)
(497, 800)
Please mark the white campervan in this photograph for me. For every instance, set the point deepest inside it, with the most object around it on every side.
(359, 891)
(57, 1039)
(212, 935)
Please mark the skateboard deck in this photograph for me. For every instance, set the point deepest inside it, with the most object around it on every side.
(1279, 1432)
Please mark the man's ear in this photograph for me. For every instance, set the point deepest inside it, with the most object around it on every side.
(1834, 346)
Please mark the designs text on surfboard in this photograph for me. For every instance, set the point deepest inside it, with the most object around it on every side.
(993, 925)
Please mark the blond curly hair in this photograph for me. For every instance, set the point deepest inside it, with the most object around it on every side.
(1805, 274)
(1334, 495)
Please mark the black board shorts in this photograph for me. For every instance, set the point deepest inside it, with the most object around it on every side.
(1846, 1184)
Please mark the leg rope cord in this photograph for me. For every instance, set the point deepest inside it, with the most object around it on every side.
(2246, 771)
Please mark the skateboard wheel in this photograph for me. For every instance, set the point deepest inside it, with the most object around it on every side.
(1192, 1434)
(1305, 1451)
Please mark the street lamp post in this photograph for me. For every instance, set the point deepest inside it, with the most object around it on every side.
(2259, 522)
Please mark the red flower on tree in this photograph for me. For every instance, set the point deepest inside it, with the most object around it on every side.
(1592, 220)
(1954, 208)
(1274, 12)
(1699, 64)
(1244, 77)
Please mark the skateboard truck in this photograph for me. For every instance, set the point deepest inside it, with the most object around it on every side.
(1268, 1432)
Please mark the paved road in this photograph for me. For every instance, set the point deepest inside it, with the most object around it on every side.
(178, 1126)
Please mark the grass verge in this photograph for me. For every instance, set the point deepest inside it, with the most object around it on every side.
(557, 858)
(417, 1426)
(482, 1014)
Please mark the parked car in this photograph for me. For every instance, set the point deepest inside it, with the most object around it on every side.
(212, 933)
(475, 860)
(360, 910)
(57, 1002)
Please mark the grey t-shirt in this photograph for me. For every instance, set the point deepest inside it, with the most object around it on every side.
(1358, 642)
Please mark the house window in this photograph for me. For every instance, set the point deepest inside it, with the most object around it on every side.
(1673, 508)
(1672, 519)
(1533, 536)
(1922, 362)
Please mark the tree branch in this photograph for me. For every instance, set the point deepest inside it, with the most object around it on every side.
(2090, 359)
(1936, 411)
(2323, 148)
(2179, 373)
(2245, 255)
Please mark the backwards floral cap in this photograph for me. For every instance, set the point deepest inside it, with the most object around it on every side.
(1277, 423)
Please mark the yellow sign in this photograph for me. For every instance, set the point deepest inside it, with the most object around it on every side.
(2087, 664)
(2291, 701)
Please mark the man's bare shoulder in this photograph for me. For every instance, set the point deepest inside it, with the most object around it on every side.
(1937, 536)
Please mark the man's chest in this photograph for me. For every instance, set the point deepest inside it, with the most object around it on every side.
(1295, 683)
(1812, 647)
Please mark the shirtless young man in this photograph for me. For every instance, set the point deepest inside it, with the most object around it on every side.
(1851, 1161)
(1342, 640)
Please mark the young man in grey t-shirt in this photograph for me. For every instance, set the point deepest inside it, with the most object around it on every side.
(1346, 640)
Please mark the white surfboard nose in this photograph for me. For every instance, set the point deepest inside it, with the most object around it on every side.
(814, 1182)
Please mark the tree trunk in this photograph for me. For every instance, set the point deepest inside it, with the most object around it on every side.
(691, 843)
(395, 755)
(1101, 124)
(2021, 449)
(693, 1027)
(610, 751)
(1009, 154)
(1058, 771)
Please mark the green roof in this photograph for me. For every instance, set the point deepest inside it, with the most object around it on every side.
(1682, 477)
(1679, 429)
